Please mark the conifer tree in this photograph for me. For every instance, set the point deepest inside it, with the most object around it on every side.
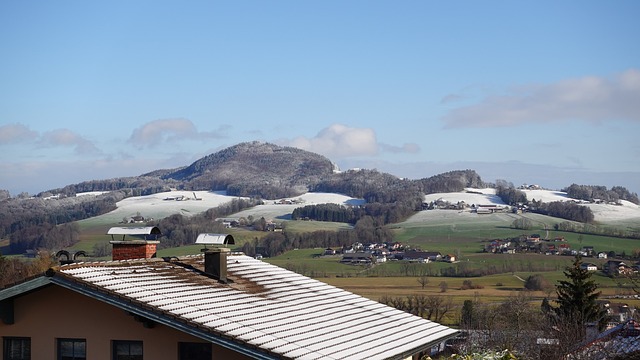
(578, 300)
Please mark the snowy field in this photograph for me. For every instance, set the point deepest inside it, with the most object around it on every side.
(163, 204)
(273, 210)
(601, 212)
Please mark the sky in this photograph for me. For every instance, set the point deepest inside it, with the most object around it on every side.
(532, 92)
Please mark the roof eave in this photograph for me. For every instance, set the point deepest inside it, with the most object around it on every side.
(182, 326)
(25, 287)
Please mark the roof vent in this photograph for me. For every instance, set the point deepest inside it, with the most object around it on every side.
(215, 259)
(68, 258)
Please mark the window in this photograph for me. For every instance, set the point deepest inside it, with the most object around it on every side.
(17, 348)
(127, 350)
(194, 351)
(72, 349)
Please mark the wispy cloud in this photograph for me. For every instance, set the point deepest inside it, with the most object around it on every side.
(67, 138)
(450, 98)
(161, 131)
(60, 138)
(407, 148)
(16, 133)
(592, 99)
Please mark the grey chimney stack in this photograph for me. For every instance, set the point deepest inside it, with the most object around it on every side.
(215, 263)
(215, 259)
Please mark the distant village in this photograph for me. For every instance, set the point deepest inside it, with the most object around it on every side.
(557, 246)
(372, 253)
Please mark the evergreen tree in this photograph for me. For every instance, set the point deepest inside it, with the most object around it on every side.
(467, 315)
(578, 300)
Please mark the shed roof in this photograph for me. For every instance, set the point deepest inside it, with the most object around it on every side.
(264, 311)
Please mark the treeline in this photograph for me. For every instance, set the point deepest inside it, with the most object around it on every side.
(370, 185)
(566, 210)
(325, 212)
(592, 193)
(432, 307)
(44, 236)
(598, 230)
(509, 194)
(19, 214)
(132, 186)
(452, 181)
(13, 270)
(264, 191)
(277, 243)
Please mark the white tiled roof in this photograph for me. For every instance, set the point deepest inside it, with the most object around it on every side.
(276, 310)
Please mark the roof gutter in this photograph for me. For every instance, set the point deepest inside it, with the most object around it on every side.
(176, 323)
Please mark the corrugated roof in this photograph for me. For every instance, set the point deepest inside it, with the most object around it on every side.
(272, 309)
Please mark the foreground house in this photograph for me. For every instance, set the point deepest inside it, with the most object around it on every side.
(215, 305)
(622, 341)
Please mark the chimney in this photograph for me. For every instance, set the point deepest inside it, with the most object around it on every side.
(133, 249)
(136, 248)
(215, 263)
(215, 259)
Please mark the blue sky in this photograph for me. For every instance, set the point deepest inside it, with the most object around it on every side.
(539, 92)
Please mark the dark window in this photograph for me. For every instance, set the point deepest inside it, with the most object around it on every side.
(17, 348)
(194, 351)
(72, 349)
(127, 350)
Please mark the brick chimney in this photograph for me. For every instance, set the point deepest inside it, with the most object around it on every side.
(133, 249)
(136, 248)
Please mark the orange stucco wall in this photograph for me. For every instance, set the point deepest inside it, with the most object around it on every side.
(54, 312)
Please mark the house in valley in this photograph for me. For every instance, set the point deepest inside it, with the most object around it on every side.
(616, 267)
(589, 266)
(358, 258)
(421, 256)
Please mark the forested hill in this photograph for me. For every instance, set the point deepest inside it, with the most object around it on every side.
(255, 168)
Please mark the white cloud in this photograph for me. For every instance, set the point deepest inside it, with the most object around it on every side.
(340, 141)
(160, 131)
(592, 99)
(15, 133)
